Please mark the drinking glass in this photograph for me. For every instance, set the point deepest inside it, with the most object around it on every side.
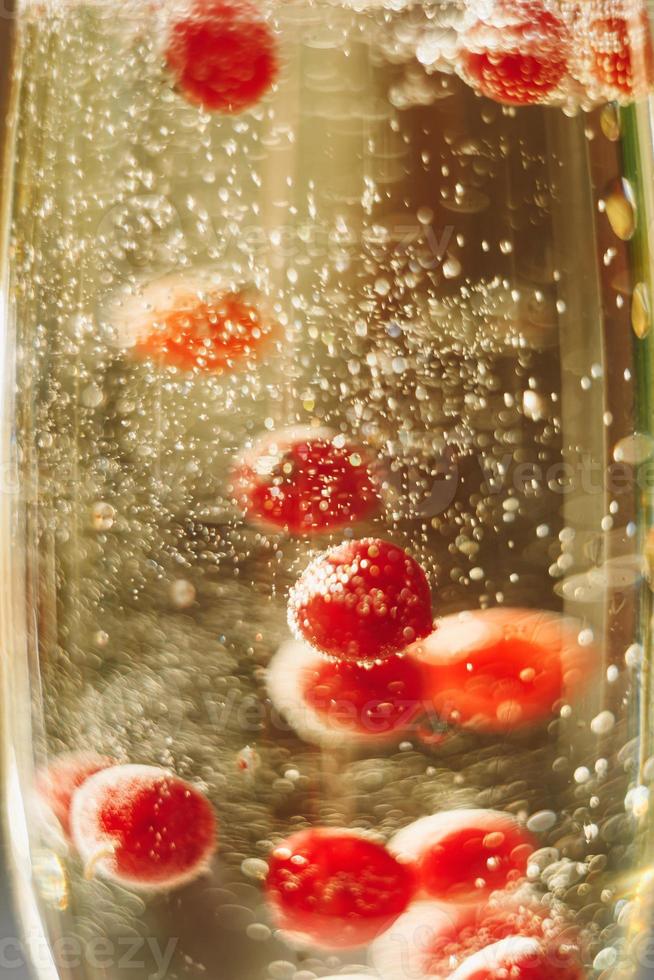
(327, 442)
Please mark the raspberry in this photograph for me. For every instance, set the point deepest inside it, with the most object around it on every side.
(206, 335)
(57, 782)
(223, 56)
(305, 482)
(331, 703)
(621, 53)
(143, 827)
(499, 669)
(464, 855)
(362, 601)
(517, 53)
(335, 888)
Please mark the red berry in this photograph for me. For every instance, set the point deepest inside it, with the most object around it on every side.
(496, 670)
(431, 941)
(621, 53)
(306, 482)
(223, 56)
(57, 782)
(335, 888)
(205, 334)
(519, 958)
(362, 601)
(464, 855)
(517, 53)
(143, 827)
(331, 702)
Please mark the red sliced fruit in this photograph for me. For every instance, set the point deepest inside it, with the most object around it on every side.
(334, 888)
(305, 481)
(206, 333)
(332, 702)
(518, 958)
(223, 55)
(431, 941)
(464, 855)
(497, 670)
(621, 53)
(516, 52)
(143, 827)
(361, 601)
(57, 781)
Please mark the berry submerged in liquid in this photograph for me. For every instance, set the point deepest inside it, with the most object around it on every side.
(306, 483)
(516, 52)
(498, 670)
(223, 56)
(336, 889)
(205, 334)
(143, 826)
(361, 601)
(465, 855)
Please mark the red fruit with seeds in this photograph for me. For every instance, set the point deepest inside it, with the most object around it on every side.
(621, 54)
(496, 670)
(223, 56)
(57, 782)
(332, 703)
(516, 53)
(143, 827)
(362, 601)
(334, 888)
(305, 482)
(519, 958)
(464, 855)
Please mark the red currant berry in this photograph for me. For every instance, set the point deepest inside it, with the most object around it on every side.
(519, 958)
(500, 669)
(517, 53)
(223, 56)
(143, 827)
(464, 855)
(331, 702)
(57, 782)
(305, 482)
(622, 58)
(336, 889)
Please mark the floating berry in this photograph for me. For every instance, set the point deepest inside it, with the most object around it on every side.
(362, 601)
(516, 53)
(621, 54)
(431, 940)
(464, 855)
(143, 827)
(331, 702)
(305, 482)
(336, 889)
(519, 958)
(223, 55)
(205, 334)
(57, 782)
(496, 670)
